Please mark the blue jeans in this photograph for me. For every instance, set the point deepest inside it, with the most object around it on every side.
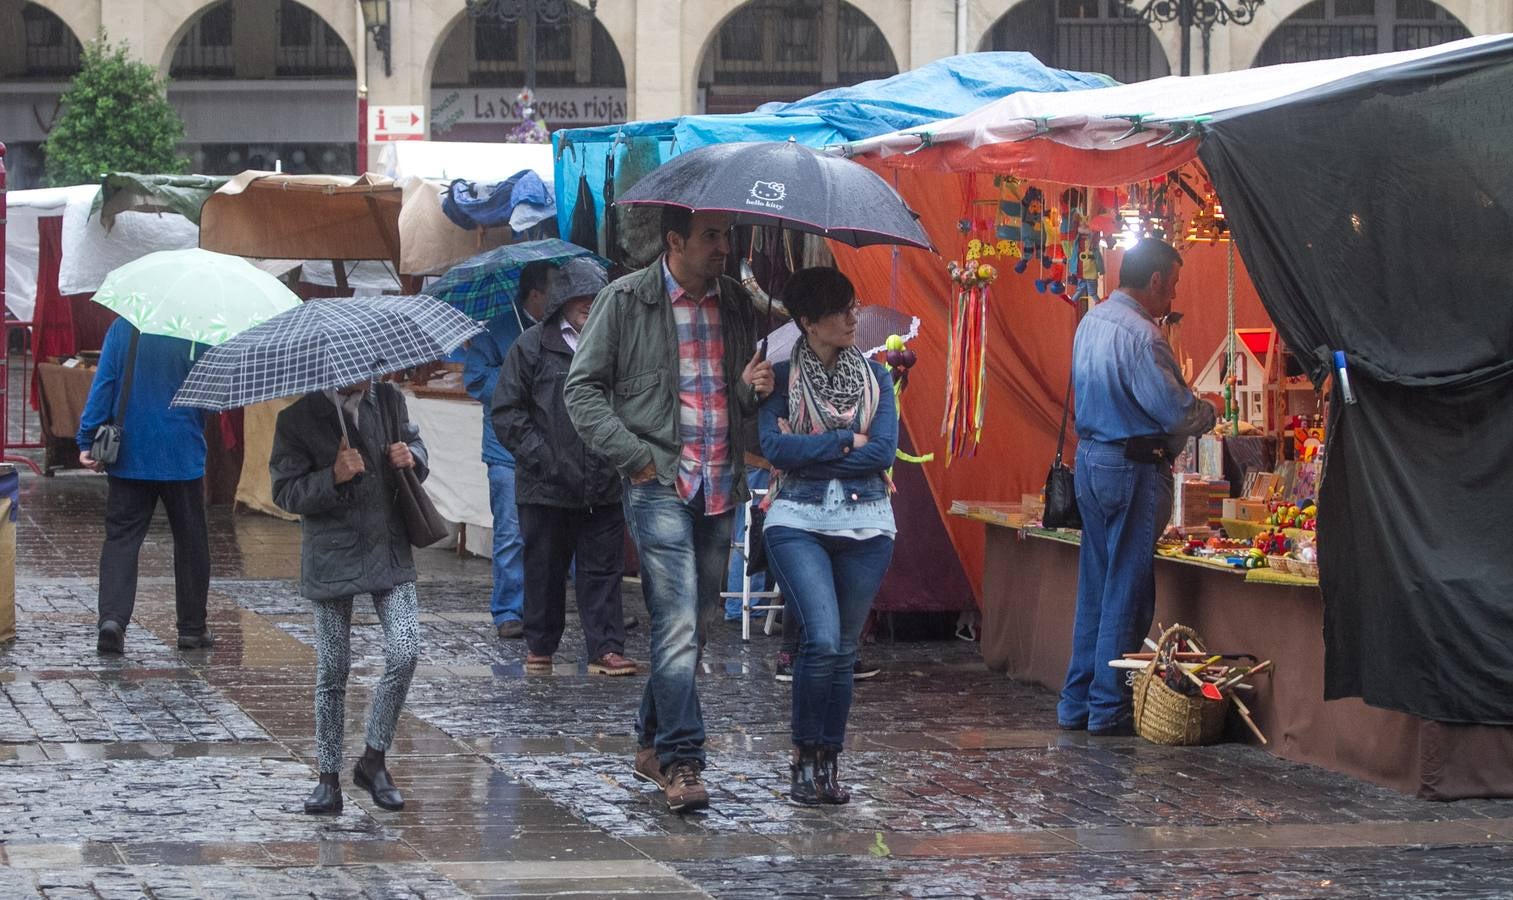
(1124, 505)
(683, 555)
(829, 583)
(760, 478)
(508, 601)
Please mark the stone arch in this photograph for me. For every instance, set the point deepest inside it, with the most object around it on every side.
(57, 57)
(174, 19)
(1272, 16)
(83, 19)
(700, 34)
(441, 76)
(998, 11)
(617, 20)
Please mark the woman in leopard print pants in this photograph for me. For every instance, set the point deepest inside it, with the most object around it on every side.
(335, 459)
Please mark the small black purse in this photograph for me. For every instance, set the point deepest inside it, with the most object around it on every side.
(106, 447)
(1060, 486)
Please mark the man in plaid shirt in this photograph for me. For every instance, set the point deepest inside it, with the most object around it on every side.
(664, 384)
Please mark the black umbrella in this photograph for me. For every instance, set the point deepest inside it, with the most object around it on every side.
(584, 227)
(784, 184)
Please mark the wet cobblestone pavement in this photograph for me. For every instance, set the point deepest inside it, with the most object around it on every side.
(172, 774)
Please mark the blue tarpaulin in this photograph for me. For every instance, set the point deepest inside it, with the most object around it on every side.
(940, 90)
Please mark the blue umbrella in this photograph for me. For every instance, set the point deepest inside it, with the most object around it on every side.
(487, 284)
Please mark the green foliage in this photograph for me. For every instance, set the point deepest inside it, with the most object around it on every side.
(115, 117)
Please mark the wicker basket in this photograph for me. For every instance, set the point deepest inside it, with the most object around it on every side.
(1280, 563)
(1164, 716)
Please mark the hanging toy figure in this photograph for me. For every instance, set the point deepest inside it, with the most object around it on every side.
(1032, 232)
(1089, 270)
(1072, 231)
(900, 360)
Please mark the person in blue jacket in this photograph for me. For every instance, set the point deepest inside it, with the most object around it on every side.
(480, 374)
(830, 429)
(162, 458)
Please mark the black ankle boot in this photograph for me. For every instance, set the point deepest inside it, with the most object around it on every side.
(827, 778)
(326, 798)
(803, 790)
(369, 773)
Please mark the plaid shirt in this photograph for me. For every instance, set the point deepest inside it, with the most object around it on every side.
(703, 404)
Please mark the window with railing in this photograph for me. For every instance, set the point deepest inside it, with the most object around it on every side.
(1328, 29)
(1083, 35)
(791, 42)
(308, 46)
(206, 50)
(52, 51)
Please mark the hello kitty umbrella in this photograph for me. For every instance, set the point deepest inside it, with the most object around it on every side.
(786, 184)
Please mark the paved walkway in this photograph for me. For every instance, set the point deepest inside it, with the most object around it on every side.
(181, 774)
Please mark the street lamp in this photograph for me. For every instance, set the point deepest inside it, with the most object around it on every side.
(1187, 13)
(530, 13)
(376, 14)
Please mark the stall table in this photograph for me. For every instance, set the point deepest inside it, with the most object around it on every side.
(1029, 601)
(63, 391)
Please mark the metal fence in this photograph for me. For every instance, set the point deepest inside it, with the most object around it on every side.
(51, 48)
(307, 46)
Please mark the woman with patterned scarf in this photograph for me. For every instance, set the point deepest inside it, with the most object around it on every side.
(830, 429)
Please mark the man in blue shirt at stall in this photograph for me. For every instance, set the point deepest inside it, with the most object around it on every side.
(480, 372)
(1134, 413)
(162, 457)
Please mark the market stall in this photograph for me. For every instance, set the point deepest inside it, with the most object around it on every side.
(595, 165)
(1291, 161)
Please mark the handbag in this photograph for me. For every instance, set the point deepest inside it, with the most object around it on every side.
(106, 448)
(1060, 487)
(423, 524)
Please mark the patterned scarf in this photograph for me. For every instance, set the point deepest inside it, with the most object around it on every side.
(821, 399)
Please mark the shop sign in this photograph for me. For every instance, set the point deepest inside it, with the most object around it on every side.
(502, 106)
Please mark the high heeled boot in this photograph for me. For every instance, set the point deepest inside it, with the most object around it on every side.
(803, 791)
(371, 773)
(827, 777)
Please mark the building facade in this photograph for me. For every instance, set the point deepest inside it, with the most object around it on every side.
(265, 82)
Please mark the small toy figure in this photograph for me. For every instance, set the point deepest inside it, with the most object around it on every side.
(1032, 232)
(1089, 270)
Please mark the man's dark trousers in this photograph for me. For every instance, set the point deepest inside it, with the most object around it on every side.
(128, 512)
(554, 537)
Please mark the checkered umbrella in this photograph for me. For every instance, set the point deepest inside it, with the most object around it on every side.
(487, 284)
(324, 344)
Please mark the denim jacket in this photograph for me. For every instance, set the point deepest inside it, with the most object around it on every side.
(809, 461)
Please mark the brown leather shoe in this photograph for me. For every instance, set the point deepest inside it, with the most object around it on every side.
(648, 768)
(685, 788)
(538, 665)
(511, 628)
(612, 664)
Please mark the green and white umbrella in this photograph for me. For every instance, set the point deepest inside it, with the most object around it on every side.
(194, 294)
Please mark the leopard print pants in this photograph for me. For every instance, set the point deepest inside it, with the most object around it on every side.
(396, 609)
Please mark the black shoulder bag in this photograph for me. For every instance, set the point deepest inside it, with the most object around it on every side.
(1060, 488)
(106, 448)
